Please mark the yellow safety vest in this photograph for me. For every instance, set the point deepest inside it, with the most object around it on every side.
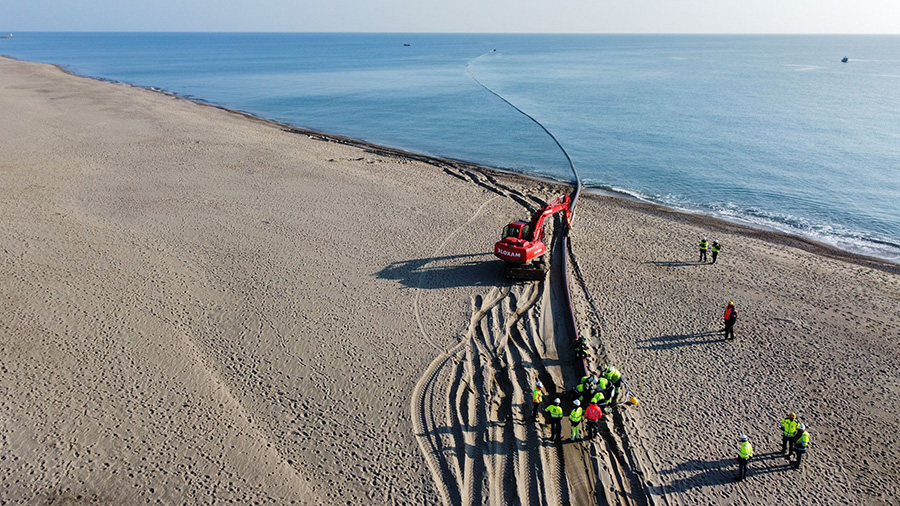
(746, 450)
(789, 427)
(803, 440)
(577, 414)
(703, 245)
(537, 396)
(613, 374)
(555, 411)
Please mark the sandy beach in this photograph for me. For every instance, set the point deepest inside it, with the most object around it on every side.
(201, 306)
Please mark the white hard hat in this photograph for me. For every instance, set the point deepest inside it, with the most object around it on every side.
(540, 385)
(743, 438)
(704, 238)
(577, 402)
(802, 427)
(556, 401)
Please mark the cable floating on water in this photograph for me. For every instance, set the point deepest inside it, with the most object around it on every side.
(538, 123)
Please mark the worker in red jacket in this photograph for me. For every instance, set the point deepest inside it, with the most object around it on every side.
(593, 415)
(730, 318)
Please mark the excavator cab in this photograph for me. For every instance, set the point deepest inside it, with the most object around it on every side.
(516, 230)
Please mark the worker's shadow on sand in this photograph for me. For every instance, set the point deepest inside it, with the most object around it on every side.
(678, 263)
(718, 472)
(772, 462)
(679, 340)
(445, 272)
(704, 473)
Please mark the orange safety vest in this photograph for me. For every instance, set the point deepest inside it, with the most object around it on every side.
(593, 413)
(728, 312)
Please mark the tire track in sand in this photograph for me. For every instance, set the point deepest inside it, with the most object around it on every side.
(472, 409)
(450, 237)
(449, 475)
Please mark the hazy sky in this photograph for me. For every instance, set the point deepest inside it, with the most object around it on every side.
(555, 16)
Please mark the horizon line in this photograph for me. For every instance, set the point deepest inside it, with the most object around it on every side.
(337, 32)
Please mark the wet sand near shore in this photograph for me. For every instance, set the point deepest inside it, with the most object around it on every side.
(202, 306)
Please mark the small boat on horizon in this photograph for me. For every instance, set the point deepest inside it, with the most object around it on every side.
(407, 44)
(6, 36)
(844, 59)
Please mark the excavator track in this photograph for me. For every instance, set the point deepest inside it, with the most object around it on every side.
(534, 272)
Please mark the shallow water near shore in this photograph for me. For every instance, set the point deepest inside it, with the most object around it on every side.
(773, 131)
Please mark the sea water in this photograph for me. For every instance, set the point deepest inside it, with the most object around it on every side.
(773, 131)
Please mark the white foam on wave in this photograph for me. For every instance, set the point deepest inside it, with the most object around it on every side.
(837, 236)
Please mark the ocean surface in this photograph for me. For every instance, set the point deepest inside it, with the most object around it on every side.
(773, 131)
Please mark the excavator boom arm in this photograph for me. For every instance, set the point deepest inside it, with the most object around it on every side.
(560, 204)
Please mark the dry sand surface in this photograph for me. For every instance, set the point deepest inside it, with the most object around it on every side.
(204, 307)
(815, 335)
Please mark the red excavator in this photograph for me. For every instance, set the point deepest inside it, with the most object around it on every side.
(521, 246)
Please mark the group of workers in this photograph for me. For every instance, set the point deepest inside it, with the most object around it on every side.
(588, 396)
(715, 248)
(794, 441)
(730, 311)
(795, 438)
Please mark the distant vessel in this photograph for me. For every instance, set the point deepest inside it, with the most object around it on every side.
(844, 59)
(6, 36)
(407, 44)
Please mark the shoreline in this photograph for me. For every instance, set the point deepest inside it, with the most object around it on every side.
(683, 215)
(623, 198)
(201, 306)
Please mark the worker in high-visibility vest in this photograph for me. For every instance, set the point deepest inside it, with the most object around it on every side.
(581, 349)
(801, 444)
(556, 415)
(537, 397)
(714, 249)
(703, 247)
(583, 389)
(615, 379)
(730, 318)
(599, 399)
(789, 426)
(575, 418)
(603, 392)
(745, 453)
(593, 414)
